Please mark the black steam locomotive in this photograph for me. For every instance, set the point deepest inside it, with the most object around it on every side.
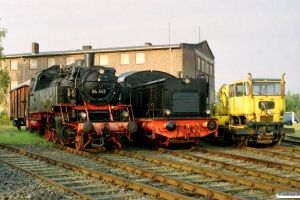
(80, 104)
(169, 109)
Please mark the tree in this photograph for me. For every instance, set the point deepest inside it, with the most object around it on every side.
(4, 73)
(292, 103)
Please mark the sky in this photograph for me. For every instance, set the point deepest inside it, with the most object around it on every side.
(261, 37)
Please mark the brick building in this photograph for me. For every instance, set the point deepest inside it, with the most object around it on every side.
(180, 60)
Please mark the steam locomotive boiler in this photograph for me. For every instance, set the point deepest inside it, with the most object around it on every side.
(169, 110)
(79, 103)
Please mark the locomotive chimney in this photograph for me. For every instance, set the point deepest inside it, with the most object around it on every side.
(35, 48)
(89, 59)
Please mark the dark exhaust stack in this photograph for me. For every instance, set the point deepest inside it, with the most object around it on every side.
(89, 59)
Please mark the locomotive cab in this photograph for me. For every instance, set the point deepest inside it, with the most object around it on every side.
(252, 111)
(169, 110)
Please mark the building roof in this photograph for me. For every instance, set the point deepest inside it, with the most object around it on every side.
(98, 50)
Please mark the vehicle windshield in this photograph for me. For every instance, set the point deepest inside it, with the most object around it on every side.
(266, 88)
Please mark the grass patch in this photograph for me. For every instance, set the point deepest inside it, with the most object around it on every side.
(11, 135)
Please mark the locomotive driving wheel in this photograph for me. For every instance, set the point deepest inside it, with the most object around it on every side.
(48, 134)
(54, 137)
(79, 142)
(63, 141)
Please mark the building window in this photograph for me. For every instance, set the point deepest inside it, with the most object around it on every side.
(13, 84)
(104, 60)
(124, 59)
(33, 64)
(14, 65)
(199, 64)
(69, 60)
(51, 62)
(207, 67)
(202, 65)
(139, 58)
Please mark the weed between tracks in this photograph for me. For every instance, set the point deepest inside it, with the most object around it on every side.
(11, 135)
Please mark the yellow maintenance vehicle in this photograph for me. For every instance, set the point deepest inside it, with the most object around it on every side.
(252, 110)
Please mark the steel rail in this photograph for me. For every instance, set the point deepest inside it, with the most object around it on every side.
(195, 189)
(232, 167)
(292, 140)
(270, 188)
(249, 159)
(287, 149)
(273, 154)
(156, 192)
(293, 137)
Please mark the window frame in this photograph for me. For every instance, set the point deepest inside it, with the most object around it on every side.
(103, 60)
(33, 63)
(70, 60)
(239, 89)
(124, 59)
(16, 83)
(139, 58)
(49, 64)
(14, 63)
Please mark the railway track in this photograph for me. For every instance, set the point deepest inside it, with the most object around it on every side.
(258, 169)
(84, 182)
(232, 184)
(161, 176)
(292, 140)
(167, 174)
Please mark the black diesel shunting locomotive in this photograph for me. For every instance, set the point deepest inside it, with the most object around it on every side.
(169, 109)
(79, 103)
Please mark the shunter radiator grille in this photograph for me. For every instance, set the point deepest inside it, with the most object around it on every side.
(186, 102)
(267, 118)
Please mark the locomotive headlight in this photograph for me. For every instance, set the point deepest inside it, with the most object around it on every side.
(207, 112)
(82, 114)
(125, 114)
(167, 112)
(186, 81)
(269, 112)
(101, 71)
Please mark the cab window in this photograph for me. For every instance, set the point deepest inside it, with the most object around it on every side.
(246, 89)
(231, 91)
(239, 89)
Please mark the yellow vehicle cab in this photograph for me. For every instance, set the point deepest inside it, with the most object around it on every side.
(252, 111)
